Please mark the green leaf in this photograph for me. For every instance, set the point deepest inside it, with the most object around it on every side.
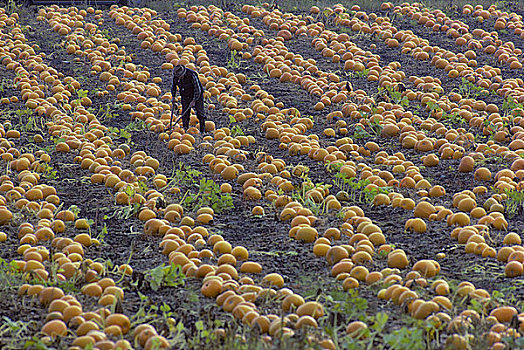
(381, 318)
(157, 276)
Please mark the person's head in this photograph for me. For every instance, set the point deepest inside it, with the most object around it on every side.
(178, 71)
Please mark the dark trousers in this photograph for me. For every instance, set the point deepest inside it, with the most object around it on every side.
(199, 108)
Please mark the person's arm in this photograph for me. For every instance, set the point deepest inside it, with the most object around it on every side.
(173, 89)
(173, 94)
(197, 90)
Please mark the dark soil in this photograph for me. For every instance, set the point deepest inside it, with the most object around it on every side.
(266, 238)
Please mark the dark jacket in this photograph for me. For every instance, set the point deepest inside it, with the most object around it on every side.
(189, 85)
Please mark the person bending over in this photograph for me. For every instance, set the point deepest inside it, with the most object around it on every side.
(191, 93)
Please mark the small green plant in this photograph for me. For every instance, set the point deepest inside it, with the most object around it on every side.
(202, 336)
(514, 203)
(509, 105)
(358, 74)
(48, 172)
(13, 6)
(3, 84)
(236, 131)
(184, 175)
(490, 127)
(80, 93)
(120, 133)
(136, 125)
(375, 127)
(350, 303)
(276, 253)
(105, 33)
(378, 322)
(74, 209)
(234, 61)
(142, 186)
(29, 124)
(126, 212)
(10, 275)
(432, 106)
(357, 189)
(147, 311)
(106, 112)
(130, 191)
(165, 276)
(57, 139)
(333, 167)
(103, 232)
(16, 330)
(452, 119)
(406, 338)
(467, 89)
(301, 195)
(208, 194)
(360, 133)
(396, 96)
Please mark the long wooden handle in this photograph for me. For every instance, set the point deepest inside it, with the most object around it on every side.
(180, 117)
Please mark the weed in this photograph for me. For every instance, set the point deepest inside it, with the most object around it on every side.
(467, 89)
(432, 106)
(146, 312)
(120, 133)
(358, 190)
(490, 127)
(74, 209)
(259, 77)
(48, 172)
(236, 131)
(510, 104)
(105, 32)
(452, 119)
(13, 6)
(514, 203)
(103, 232)
(396, 96)
(203, 335)
(80, 93)
(184, 175)
(9, 275)
(302, 195)
(57, 139)
(406, 338)
(105, 113)
(514, 343)
(375, 127)
(378, 323)
(5, 83)
(17, 331)
(349, 303)
(165, 276)
(358, 74)
(136, 125)
(126, 212)
(208, 194)
(30, 124)
(360, 133)
(233, 61)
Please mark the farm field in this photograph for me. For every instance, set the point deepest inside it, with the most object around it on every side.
(360, 184)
